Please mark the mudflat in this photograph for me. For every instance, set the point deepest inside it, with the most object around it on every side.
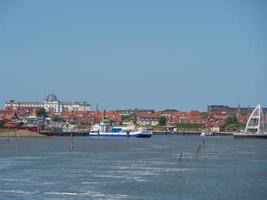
(18, 133)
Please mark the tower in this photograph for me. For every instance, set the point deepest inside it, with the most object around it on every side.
(255, 124)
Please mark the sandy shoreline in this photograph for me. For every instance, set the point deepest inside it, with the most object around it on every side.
(18, 133)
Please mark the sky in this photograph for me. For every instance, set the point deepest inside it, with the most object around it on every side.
(180, 54)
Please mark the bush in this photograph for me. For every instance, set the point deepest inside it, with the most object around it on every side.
(41, 113)
(231, 120)
(188, 126)
(231, 124)
(2, 123)
(162, 121)
(56, 118)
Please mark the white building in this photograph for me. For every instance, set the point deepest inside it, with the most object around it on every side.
(51, 104)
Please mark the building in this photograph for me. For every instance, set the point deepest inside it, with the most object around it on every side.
(77, 117)
(215, 122)
(147, 118)
(129, 112)
(192, 117)
(227, 110)
(113, 116)
(6, 115)
(50, 104)
(169, 115)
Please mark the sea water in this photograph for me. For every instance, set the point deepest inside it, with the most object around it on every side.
(161, 168)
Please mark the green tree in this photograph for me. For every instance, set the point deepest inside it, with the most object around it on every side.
(189, 126)
(41, 113)
(56, 118)
(162, 121)
(2, 123)
(125, 118)
(231, 120)
(231, 124)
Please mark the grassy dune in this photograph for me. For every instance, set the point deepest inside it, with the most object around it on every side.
(18, 133)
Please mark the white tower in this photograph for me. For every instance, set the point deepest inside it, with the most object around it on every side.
(255, 124)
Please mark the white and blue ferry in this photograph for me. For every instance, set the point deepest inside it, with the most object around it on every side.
(105, 130)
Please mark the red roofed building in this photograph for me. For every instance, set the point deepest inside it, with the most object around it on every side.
(186, 117)
(215, 122)
(6, 115)
(112, 115)
(84, 117)
(147, 119)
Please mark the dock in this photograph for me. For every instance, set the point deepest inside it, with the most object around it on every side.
(196, 133)
(249, 136)
(73, 133)
(191, 133)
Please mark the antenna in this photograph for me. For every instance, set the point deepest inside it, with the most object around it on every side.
(96, 107)
(239, 109)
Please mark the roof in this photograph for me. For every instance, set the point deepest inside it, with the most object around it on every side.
(148, 115)
(24, 102)
(51, 97)
(81, 103)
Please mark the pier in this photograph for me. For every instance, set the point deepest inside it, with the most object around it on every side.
(191, 133)
(249, 136)
(75, 133)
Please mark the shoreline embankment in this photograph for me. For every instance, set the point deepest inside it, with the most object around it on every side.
(27, 133)
(192, 133)
(19, 133)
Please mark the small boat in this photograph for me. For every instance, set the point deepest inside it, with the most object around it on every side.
(205, 134)
(105, 130)
(202, 134)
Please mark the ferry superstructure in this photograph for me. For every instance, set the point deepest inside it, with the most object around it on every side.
(105, 130)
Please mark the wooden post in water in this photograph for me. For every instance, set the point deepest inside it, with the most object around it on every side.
(180, 175)
(71, 144)
(7, 137)
(15, 133)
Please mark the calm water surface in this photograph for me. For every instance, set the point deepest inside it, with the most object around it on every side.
(162, 167)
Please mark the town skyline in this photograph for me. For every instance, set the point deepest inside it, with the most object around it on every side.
(97, 107)
(53, 112)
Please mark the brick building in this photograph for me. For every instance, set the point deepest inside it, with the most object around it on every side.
(147, 118)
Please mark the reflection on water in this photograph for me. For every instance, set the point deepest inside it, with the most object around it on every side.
(127, 168)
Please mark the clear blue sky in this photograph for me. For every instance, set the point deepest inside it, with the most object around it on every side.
(135, 53)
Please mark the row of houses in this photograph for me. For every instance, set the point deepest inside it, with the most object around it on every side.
(141, 118)
(214, 118)
(171, 117)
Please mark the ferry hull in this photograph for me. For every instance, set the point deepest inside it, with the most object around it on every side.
(144, 136)
(138, 134)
